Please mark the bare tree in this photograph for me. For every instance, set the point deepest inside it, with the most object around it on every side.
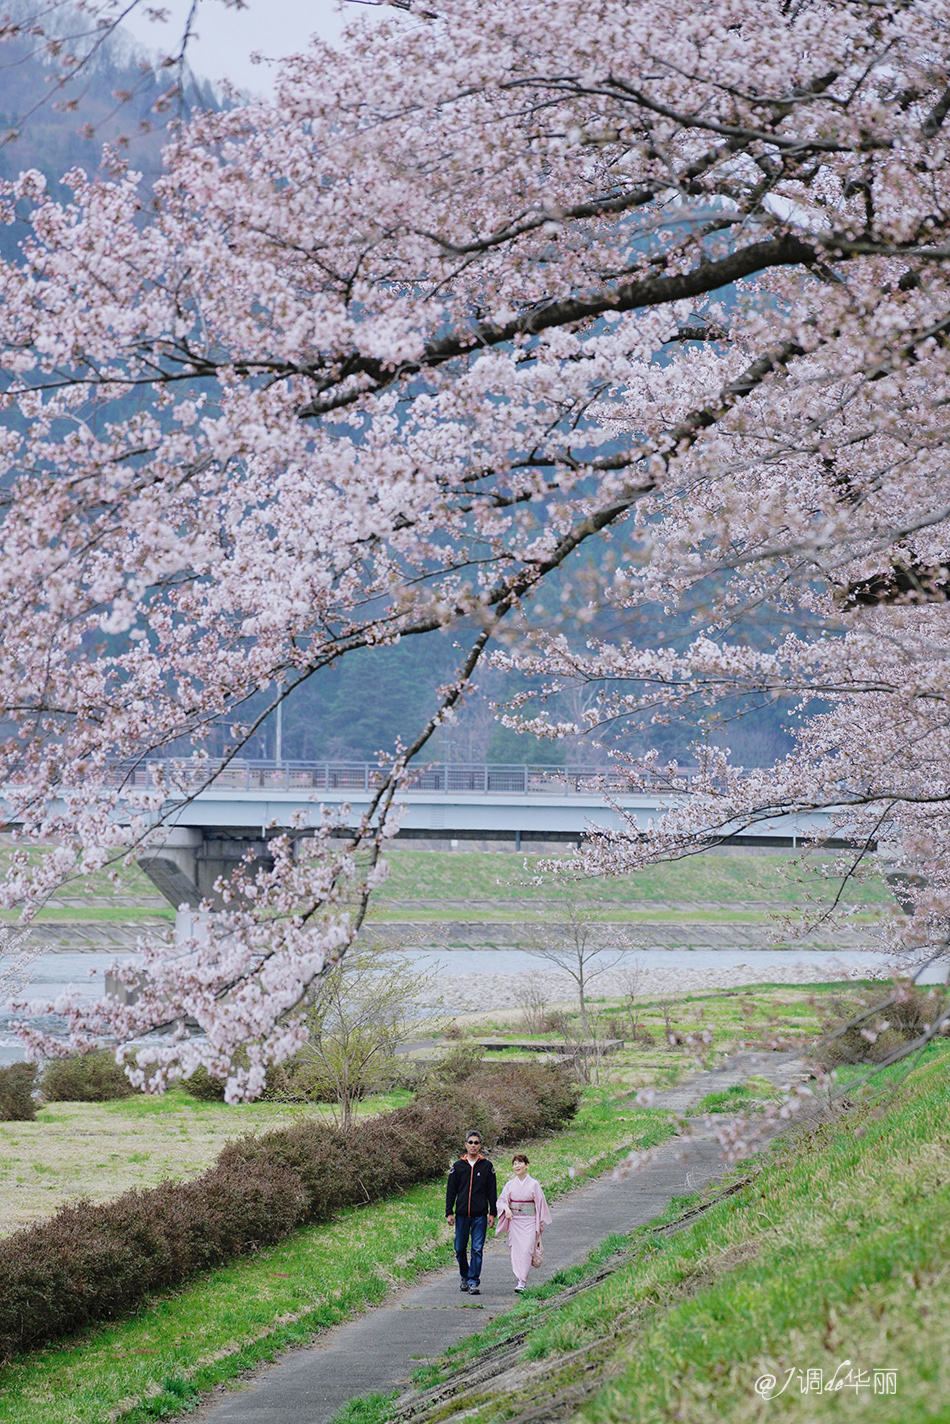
(574, 952)
(631, 978)
(533, 998)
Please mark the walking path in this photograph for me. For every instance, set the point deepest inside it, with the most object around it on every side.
(378, 1351)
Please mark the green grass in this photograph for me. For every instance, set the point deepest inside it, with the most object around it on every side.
(732, 1099)
(98, 1150)
(130, 884)
(97, 914)
(476, 880)
(780, 878)
(241, 1316)
(373, 1410)
(446, 886)
(740, 1097)
(601, 911)
(836, 1250)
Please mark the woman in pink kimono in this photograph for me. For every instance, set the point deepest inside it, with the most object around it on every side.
(523, 1213)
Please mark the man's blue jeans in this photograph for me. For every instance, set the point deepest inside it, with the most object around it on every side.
(474, 1226)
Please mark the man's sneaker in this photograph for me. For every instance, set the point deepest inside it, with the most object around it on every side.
(464, 1286)
(473, 1290)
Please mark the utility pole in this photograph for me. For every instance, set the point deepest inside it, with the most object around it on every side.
(279, 739)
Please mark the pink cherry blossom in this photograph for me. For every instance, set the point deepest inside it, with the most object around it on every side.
(490, 288)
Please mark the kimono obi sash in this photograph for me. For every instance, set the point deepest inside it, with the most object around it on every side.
(523, 1208)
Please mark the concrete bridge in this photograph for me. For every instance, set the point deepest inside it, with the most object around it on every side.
(519, 807)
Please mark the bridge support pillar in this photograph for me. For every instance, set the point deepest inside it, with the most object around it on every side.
(187, 864)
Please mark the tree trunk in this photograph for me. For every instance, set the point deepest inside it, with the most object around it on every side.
(585, 1026)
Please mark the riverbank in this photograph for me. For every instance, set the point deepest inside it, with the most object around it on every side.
(231, 1320)
(481, 979)
(97, 1150)
(712, 921)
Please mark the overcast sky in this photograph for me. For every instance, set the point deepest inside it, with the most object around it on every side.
(227, 38)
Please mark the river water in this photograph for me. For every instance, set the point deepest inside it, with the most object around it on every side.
(476, 980)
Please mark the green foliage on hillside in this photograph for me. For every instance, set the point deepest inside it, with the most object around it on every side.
(111, 100)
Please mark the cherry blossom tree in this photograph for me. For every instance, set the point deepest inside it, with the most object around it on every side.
(646, 301)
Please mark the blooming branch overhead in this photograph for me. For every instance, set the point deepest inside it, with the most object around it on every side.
(487, 288)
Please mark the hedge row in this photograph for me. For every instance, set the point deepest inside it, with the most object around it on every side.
(93, 1262)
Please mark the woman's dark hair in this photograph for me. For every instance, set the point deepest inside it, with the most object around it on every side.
(519, 1157)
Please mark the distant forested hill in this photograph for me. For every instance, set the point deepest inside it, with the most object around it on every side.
(367, 701)
(114, 97)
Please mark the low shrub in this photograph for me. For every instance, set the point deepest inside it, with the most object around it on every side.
(507, 1102)
(85, 1078)
(466, 1109)
(457, 1065)
(627, 1028)
(556, 1021)
(301, 1080)
(874, 1039)
(375, 1158)
(17, 1103)
(93, 1262)
(204, 1087)
(530, 1098)
(406, 1076)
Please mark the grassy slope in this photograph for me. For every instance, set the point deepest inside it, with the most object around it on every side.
(485, 882)
(836, 1251)
(242, 1315)
(129, 898)
(472, 885)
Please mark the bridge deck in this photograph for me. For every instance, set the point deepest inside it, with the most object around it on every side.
(448, 800)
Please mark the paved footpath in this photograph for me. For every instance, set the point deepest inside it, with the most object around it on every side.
(377, 1351)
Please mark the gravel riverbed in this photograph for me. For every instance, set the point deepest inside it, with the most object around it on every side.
(494, 987)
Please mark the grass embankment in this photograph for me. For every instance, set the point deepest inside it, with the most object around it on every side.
(129, 898)
(425, 885)
(484, 886)
(834, 1258)
(241, 1316)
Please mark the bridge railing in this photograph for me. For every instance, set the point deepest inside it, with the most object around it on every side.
(449, 778)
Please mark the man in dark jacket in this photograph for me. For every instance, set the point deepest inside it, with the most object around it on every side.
(471, 1202)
